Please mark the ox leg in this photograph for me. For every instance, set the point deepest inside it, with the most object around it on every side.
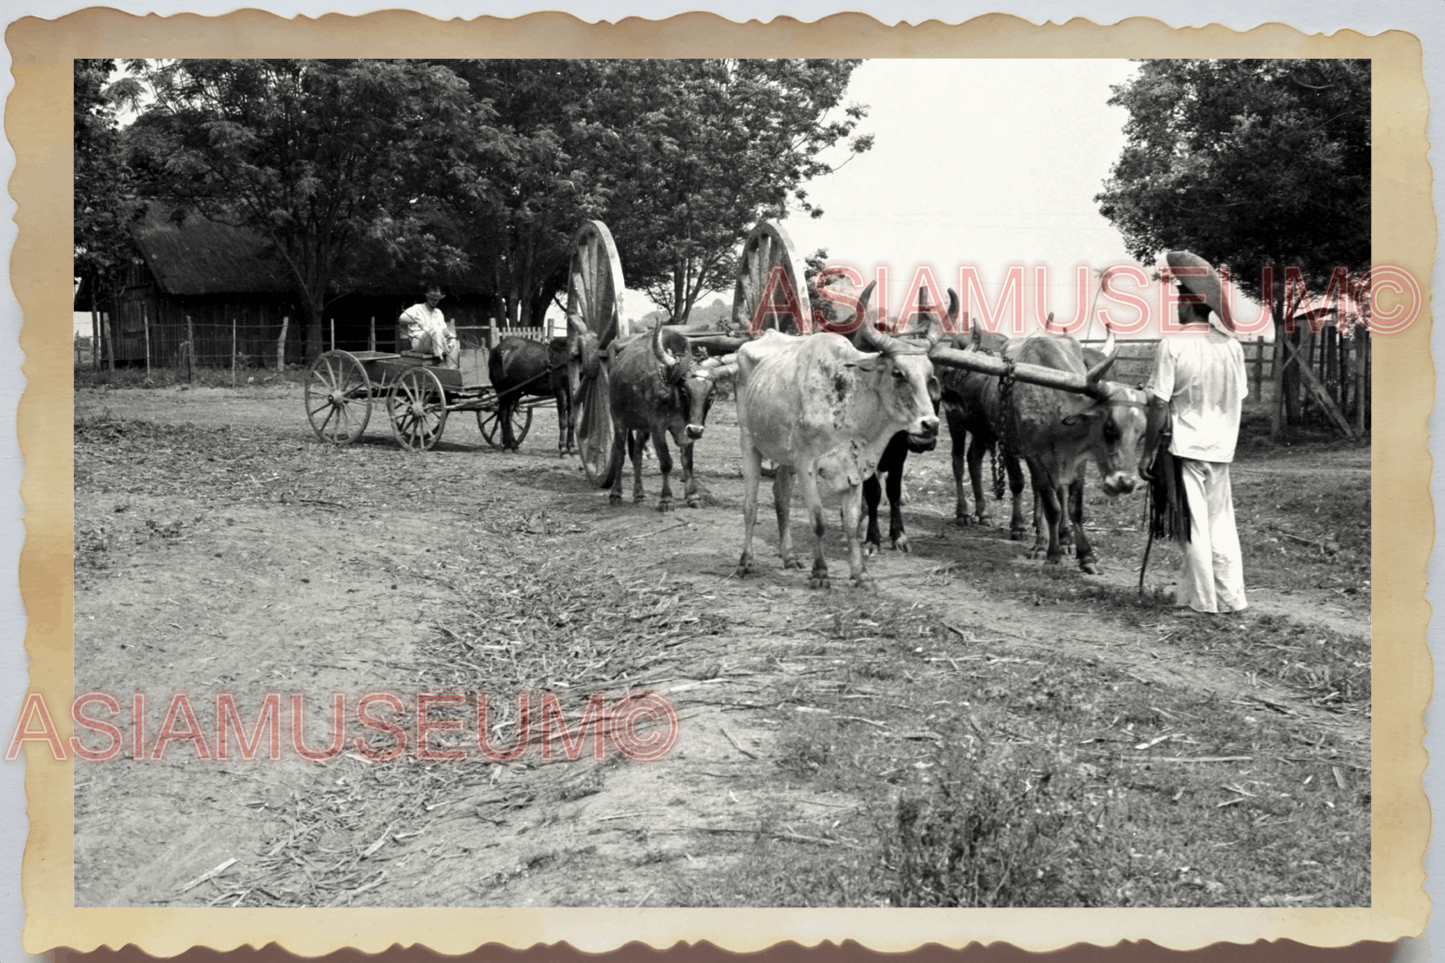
(1066, 526)
(977, 448)
(1015, 471)
(1047, 493)
(1083, 551)
(896, 534)
(851, 499)
(621, 445)
(960, 500)
(664, 464)
(783, 478)
(850, 510)
(635, 441)
(872, 495)
(752, 474)
(1041, 529)
(689, 480)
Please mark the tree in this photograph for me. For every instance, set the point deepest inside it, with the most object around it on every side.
(1253, 163)
(542, 186)
(329, 160)
(102, 186)
(695, 152)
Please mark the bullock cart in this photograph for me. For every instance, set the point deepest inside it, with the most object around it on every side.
(342, 387)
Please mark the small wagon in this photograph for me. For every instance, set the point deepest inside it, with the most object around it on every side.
(343, 385)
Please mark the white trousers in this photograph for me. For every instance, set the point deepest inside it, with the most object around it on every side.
(1211, 577)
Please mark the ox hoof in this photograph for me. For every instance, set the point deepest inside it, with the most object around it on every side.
(745, 566)
(1038, 551)
(900, 544)
(819, 578)
(791, 561)
(1054, 560)
(614, 499)
(638, 498)
(964, 519)
(1089, 564)
(1017, 534)
(694, 501)
(664, 504)
(871, 547)
(865, 583)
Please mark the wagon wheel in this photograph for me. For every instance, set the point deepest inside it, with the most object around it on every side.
(338, 397)
(490, 421)
(769, 270)
(417, 407)
(594, 292)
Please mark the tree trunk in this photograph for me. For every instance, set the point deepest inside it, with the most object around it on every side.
(314, 307)
(679, 291)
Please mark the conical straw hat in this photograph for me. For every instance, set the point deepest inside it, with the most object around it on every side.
(1200, 278)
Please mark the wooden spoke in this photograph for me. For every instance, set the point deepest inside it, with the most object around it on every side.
(417, 407)
(489, 420)
(594, 291)
(595, 282)
(594, 429)
(338, 397)
(769, 247)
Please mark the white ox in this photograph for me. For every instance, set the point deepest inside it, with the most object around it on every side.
(824, 411)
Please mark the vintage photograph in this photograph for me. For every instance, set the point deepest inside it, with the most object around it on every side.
(451, 438)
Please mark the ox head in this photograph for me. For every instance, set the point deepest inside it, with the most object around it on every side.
(1115, 421)
(903, 376)
(691, 381)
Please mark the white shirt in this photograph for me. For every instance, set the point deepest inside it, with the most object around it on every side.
(422, 319)
(1203, 376)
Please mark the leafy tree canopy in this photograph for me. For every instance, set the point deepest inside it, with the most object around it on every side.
(1249, 162)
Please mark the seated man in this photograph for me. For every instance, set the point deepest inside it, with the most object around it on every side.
(427, 329)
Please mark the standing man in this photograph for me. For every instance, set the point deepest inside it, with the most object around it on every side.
(1198, 388)
(428, 330)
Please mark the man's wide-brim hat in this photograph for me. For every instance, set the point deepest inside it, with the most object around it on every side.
(1198, 277)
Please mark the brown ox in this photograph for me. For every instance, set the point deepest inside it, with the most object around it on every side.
(658, 388)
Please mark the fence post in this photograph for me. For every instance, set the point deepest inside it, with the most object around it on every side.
(1259, 366)
(371, 335)
(333, 333)
(190, 351)
(281, 343)
(233, 352)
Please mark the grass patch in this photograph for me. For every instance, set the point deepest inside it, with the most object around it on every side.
(200, 377)
(982, 780)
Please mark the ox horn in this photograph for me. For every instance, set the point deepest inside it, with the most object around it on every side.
(868, 336)
(953, 309)
(663, 355)
(1111, 352)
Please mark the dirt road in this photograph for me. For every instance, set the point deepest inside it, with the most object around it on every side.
(221, 549)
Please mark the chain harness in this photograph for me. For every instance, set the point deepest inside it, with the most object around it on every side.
(1005, 431)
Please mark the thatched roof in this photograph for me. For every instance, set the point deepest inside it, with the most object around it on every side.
(199, 256)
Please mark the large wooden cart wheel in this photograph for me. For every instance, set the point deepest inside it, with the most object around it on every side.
(594, 292)
(417, 407)
(490, 421)
(338, 397)
(771, 290)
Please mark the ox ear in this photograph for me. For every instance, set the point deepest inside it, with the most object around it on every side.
(867, 363)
